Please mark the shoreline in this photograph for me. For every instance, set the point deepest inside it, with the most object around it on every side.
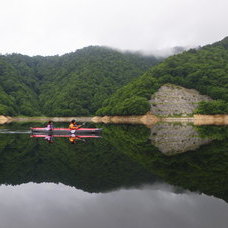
(147, 119)
(150, 119)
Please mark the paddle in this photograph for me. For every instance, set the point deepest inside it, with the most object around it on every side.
(83, 140)
(81, 126)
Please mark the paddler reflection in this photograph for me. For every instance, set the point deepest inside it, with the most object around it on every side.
(49, 138)
(74, 138)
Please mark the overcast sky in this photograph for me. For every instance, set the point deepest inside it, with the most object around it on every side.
(49, 27)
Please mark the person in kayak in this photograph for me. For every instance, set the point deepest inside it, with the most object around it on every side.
(73, 125)
(50, 126)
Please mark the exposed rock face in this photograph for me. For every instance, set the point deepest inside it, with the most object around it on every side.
(172, 138)
(172, 100)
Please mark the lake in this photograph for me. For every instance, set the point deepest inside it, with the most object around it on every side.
(130, 176)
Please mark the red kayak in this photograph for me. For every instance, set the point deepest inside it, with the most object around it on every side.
(65, 136)
(64, 131)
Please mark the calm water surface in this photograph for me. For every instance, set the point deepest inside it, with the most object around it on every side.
(171, 175)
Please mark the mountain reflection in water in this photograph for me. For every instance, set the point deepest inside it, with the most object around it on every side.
(127, 157)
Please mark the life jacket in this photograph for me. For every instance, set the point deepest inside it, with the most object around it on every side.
(73, 126)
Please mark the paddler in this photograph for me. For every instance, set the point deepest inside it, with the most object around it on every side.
(49, 126)
(73, 125)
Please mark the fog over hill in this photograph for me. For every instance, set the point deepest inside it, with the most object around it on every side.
(204, 69)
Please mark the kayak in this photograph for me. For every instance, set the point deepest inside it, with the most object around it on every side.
(69, 131)
(66, 136)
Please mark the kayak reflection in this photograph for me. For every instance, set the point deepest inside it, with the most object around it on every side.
(72, 138)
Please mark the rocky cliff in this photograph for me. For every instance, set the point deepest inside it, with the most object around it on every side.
(171, 100)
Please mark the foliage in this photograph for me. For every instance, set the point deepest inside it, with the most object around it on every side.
(213, 132)
(70, 85)
(205, 70)
(213, 107)
(18, 87)
(130, 106)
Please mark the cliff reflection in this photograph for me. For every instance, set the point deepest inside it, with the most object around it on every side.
(173, 138)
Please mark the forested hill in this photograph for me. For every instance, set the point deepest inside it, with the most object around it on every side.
(70, 85)
(205, 70)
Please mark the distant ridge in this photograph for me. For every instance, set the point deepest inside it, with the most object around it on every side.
(73, 84)
(205, 70)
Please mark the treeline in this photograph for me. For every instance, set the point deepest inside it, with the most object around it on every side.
(205, 70)
(70, 85)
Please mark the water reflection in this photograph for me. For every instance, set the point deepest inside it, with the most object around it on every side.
(177, 138)
(158, 205)
(93, 166)
(204, 170)
(126, 156)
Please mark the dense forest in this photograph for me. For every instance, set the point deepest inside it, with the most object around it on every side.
(70, 85)
(205, 70)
